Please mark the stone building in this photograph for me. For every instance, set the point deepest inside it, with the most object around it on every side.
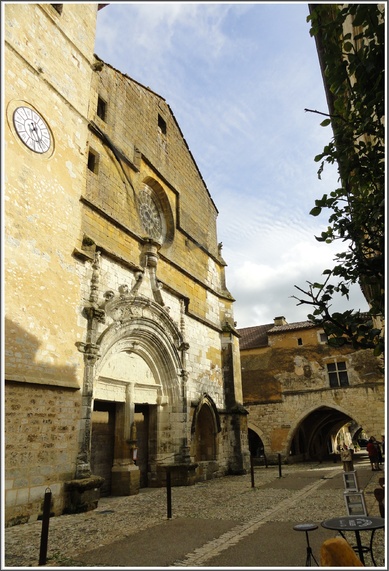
(300, 392)
(121, 356)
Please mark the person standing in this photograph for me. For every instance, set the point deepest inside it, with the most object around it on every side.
(379, 452)
(373, 453)
(346, 455)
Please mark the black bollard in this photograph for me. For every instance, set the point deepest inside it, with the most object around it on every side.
(279, 466)
(169, 494)
(252, 470)
(45, 527)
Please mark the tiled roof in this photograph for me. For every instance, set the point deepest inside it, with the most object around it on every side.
(252, 337)
(291, 326)
(256, 336)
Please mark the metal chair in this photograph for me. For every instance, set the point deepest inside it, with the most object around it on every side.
(307, 527)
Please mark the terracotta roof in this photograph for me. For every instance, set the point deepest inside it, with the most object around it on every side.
(291, 326)
(252, 337)
(257, 336)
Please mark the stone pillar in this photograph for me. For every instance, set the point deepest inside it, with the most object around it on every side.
(185, 448)
(83, 492)
(94, 315)
(125, 474)
(240, 461)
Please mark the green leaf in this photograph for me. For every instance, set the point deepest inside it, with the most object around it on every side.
(354, 72)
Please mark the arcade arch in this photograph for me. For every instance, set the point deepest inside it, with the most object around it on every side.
(314, 437)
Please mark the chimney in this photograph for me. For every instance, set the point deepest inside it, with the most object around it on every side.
(280, 321)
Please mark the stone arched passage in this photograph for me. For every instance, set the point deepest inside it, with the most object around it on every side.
(314, 434)
(257, 445)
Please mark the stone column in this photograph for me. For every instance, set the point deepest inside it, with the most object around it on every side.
(94, 314)
(185, 448)
(240, 462)
(83, 492)
(125, 474)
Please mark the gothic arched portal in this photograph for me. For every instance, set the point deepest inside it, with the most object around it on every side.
(205, 427)
(140, 371)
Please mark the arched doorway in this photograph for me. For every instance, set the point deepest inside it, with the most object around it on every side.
(125, 380)
(256, 446)
(205, 428)
(205, 435)
(139, 374)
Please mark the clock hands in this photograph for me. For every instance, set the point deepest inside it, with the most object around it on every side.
(34, 130)
(35, 135)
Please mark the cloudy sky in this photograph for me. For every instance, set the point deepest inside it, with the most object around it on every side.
(238, 77)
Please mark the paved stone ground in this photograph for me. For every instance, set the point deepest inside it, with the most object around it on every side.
(220, 523)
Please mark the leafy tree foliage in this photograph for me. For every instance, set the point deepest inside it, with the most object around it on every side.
(352, 59)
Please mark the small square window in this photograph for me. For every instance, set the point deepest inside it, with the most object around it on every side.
(101, 108)
(323, 337)
(162, 124)
(299, 341)
(93, 161)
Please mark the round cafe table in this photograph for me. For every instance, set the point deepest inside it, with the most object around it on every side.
(357, 524)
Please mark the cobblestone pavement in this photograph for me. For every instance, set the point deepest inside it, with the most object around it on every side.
(231, 501)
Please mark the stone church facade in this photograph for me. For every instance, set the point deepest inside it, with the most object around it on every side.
(303, 395)
(121, 355)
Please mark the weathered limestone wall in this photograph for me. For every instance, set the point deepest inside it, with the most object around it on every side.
(49, 69)
(168, 153)
(191, 262)
(40, 448)
(42, 191)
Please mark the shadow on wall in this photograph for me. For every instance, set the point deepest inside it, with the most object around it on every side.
(42, 411)
(23, 361)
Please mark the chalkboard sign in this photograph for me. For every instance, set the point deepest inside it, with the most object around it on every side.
(355, 503)
(350, 481)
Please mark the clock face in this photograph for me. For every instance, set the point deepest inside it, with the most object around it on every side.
(32, 129)
(150, 215)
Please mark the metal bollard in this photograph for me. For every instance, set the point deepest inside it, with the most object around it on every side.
(169, 493)
(279, 466)
(252, 471)
(45, 527)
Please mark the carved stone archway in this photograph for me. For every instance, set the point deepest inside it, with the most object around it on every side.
(135, 325)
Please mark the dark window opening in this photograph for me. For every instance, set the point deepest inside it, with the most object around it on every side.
(93, 161)
(299, 341)
(323, 338)
(101, 108)
(162, 124)
(58, 8)
(337, 374)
